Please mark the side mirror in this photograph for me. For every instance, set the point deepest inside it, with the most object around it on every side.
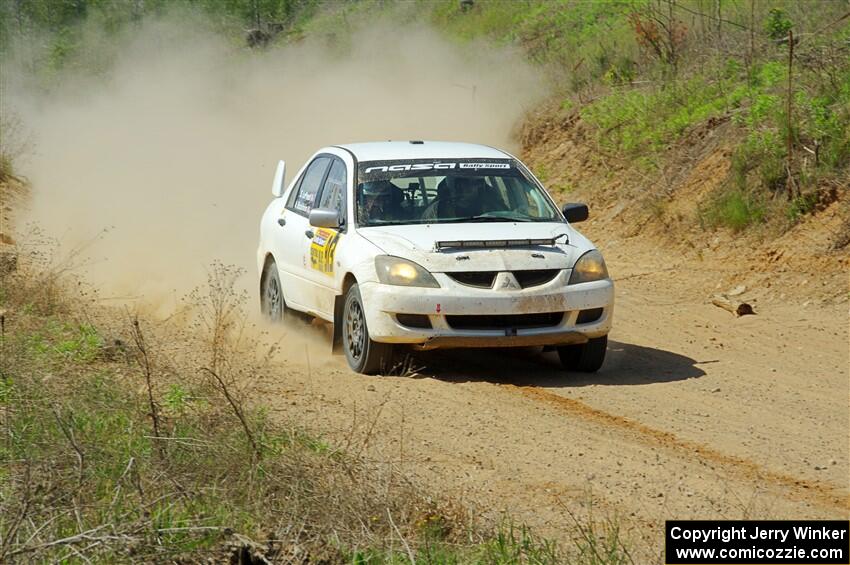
(575, 212)
(279, 177)
(324, 218)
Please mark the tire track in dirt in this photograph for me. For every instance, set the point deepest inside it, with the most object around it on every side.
(799, 489)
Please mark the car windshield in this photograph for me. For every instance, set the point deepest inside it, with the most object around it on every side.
(427, 191)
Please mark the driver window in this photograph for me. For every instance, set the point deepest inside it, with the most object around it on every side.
(303, 199)
(333, 193)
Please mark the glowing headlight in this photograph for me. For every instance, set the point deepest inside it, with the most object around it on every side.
(401, 272)
(589, 267)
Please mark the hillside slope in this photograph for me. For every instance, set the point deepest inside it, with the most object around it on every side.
(806, 262)
(703, 133)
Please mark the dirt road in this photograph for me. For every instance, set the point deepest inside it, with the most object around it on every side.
(696, 413)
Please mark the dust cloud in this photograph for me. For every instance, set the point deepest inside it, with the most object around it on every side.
(171, 149)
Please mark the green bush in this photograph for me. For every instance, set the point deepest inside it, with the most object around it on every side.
(800, 206)
(733, 208)
(578, 42)
(778, 24)
(639, 121)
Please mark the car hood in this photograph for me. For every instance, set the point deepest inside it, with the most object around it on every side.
(419, 243)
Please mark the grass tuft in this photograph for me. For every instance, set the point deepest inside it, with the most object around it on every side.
(733, 208)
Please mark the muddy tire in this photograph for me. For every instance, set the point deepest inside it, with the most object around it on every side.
(272, 303)
(363, 355)
(586, 357)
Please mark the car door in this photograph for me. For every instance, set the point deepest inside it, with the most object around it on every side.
(295, 231)
(319, 251)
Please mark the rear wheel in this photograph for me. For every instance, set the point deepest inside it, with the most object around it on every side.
(586, 357)
(363, 354)
(272, 303)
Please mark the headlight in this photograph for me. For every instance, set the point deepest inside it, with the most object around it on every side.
(401, 272)
(589, 267)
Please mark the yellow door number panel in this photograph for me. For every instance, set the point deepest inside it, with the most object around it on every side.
(322, 250)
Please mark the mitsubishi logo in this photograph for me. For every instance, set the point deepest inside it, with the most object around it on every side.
(507, 281)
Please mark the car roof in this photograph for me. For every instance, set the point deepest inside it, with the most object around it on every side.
(415, 149)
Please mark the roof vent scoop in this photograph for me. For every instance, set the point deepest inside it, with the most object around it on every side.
(416, 142)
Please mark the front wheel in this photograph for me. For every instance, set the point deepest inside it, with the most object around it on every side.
(363, 355)
(586, 357)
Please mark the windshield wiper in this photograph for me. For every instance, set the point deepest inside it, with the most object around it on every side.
(484, 219)
(481, 218)
(382, 224)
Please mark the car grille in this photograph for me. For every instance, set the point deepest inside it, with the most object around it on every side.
(505, 321)
(536, 277)
(478, 279)
(485, 279)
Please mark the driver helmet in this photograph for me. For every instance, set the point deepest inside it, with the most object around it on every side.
(378, 197)
(468, 189)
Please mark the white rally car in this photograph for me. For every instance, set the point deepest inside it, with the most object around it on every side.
(431, 245)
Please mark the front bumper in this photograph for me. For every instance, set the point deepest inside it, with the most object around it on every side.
(453, 302)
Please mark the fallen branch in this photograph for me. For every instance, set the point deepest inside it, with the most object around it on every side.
(195, 529)
(636, 275)
(84, 536)
(742, 309)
